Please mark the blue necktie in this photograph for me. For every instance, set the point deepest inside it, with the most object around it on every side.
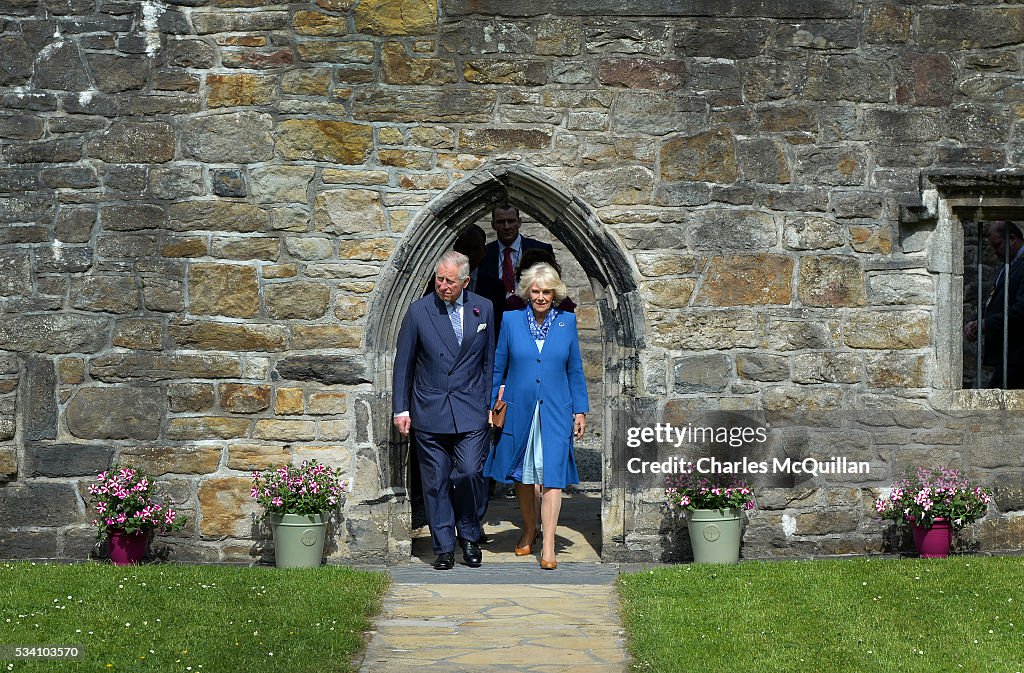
(453, 315)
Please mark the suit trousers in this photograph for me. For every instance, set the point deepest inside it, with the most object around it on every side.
(450, 472)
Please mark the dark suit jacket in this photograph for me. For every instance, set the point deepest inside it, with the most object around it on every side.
(993, 355)
(489, 284)
(442, 386)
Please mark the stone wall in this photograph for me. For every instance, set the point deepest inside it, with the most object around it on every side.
(199, 199)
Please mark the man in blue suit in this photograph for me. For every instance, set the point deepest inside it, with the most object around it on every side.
(442, 375)
(496, 278)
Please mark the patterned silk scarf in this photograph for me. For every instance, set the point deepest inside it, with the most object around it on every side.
(540, 332)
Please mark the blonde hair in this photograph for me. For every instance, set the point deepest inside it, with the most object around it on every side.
(545, 277)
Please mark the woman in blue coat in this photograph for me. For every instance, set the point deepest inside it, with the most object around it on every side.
(538, 362)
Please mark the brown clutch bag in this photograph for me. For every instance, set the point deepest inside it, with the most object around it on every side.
(498, 414)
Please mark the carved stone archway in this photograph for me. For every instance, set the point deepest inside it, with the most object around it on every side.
(612, 275)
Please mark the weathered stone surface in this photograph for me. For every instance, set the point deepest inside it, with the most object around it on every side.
(138, 333)
(329, 369)
(888, 330)
(54, 333)
(220, 336)
(925, 80)
(66, 460)
(244, 398)
(349, 308)
(328, 402)
(307, 337)
(739, 280)
(302, 300)
(410, 17)
(762, 367)
(827, 368)
(284, 430)
(896, 370)
(161, 460)
(238, 22)
(330, 51)
(223, 289)
(702, 374)
(15, 272)
(61, 66)
(414, 105)
(309, 248)
(117, 367)
(131, 217)
(40, 400)
(793, 335)
(239, 89)
(706, 157)
(642, 73)
(763, 160)
(887, 23)
(871, 239)
(847, 77)
(289, 401)
(824, 523)
(247, 248)
(235, 137)
(719, 229)
(115, 413)
(901, 288)
(134, 142)
(38, 504)
(190, 396)
(401, 68)
(832, 166)
(159, 294)
(705, 330)
(15, 60)
(227, 509)
(318, 140)
(671, 292)
(968, 28)
(812, 233)
(319, 24)
(665, 264)
(348, 211)
(830, 280)
(280, 184)
(207, 427)
(250, 457)
(216, 216)
(108, 294)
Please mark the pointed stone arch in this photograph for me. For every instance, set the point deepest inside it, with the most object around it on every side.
(612, 275)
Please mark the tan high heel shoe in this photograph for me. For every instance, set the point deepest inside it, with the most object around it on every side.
(527, 550)
(548, 565)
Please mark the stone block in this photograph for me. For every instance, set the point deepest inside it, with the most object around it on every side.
(621, 185)
(132, 217)
(331, 51)
(38, 504)
(226, 508)
(967, 28)
(175, 182)
(117, 367)
(702, 374)
(107, 294)
(831, 166)
(831, 281)
(671, 292)
(254, 457)
(762, 367)
(284, 430)
(138, 334)
(28, 544)
(742, 280)
(424, 106)
(718, 229)
(484, 140)
(559, 36)
(53, 333)
(193, 428)
(217, 216)
(280, 184)
(115, 413)
(705, 157)
(114, 73)
(161, 460)
(219, 336)
(1008, 491)
(398, 67)
(8, 459)
(160, 294)
(297, 300)
(1001, 533)
(223, 289)
(15, 273)
(309, 248)
(16, 59)
(40, 400)
(704, 330)
(925, 80)
(888, 330)
(244, 398)
(235, 137)
(387, 18)
(240, 89)
(827, 368)
(896, 370)
(328, 369)
(847, 77)
(895, 127)
(721, 38)
(328, 402)
(320, 140)
(653, 264)
(887, 23)
(66, 460)
(349, 308)
(763, 160)
(71, 371)
(190, 397)
(289, 401)
(824, 523)
(134, 143)
(812, 233)
(348, 211)
(247, 248)
(642, 73)
(310, 337)
(319, 24)
(61, 66)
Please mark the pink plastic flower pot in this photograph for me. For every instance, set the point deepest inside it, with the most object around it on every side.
(933, 542)
(127, 548)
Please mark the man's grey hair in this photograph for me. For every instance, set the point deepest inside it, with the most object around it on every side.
(456, 259)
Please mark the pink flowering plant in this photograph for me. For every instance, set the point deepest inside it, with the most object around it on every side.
(684, 492)
(126, 499)
(310, 488)
(934, 493)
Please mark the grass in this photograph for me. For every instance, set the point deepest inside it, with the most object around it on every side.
(955, 614)
(188, 619)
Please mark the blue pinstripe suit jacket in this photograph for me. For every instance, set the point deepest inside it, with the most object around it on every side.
(445, 387)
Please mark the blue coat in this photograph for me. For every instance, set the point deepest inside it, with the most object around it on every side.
(441, 385)
(553, 377)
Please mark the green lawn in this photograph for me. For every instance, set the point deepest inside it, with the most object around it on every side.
(956, 614)
(198, 619)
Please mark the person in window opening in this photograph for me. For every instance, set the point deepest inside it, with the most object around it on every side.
(991, 324)
(496, 279)
(538, 372)
(443, 362)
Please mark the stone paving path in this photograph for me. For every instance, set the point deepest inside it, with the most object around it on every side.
(508, 615)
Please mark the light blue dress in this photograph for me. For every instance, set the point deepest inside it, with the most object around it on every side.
(533, 460)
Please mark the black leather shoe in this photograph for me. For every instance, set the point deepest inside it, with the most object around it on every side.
(471, 553)
(485, 539)
(445, 561)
